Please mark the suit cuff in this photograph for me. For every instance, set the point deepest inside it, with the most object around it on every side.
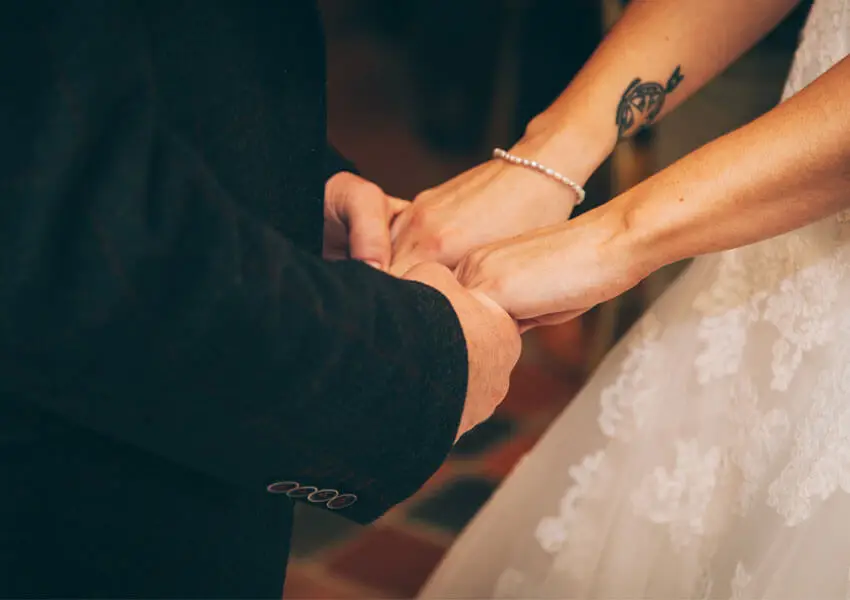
(336, 162)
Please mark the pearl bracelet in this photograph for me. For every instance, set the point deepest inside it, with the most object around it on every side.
(536, 166)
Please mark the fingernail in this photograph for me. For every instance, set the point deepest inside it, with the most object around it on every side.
(374, 264)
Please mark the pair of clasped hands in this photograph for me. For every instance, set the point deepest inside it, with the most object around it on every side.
(498, 243)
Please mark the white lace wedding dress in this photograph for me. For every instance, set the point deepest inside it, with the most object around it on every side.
(709, 456)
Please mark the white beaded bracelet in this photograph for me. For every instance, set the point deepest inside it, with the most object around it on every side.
(536, 166)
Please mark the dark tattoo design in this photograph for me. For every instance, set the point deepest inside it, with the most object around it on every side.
(642, 102)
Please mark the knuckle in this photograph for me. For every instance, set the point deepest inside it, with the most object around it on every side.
(465, 272)
(477, 258)
(424, 197)
(421, 219)
(431, 273)
(429, 235)
(472, 268)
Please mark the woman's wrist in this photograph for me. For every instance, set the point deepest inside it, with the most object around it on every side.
(573, 148)
(634, 237)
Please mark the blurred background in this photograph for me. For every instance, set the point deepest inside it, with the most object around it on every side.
(422, 90)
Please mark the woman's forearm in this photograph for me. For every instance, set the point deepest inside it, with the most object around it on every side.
(785, 170)
(658, 54)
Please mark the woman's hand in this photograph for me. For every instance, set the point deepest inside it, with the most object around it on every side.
(490, 202)
(784, 170)
(555, 274)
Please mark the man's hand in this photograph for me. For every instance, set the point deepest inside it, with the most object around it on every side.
(492, 341)
(358, 215)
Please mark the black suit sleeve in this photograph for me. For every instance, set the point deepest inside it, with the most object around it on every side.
(139, 301)
(336, 162)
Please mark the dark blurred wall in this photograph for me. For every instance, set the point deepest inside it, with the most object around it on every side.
(464, 53)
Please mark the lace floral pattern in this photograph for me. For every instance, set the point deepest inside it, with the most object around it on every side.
(821, 46)
(740, 582)
(820, 461)
(792, 289)
(758, 438)
(571, 535)
(679, 497)
(712, 446)
(624, 403)
(729, 305)
(789, 285)
(509, 584)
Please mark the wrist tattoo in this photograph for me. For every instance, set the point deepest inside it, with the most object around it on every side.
(642, 102)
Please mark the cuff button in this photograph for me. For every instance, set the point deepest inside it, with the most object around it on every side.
(301, 492)
(343, 501)
(323, 496)
(283, 487)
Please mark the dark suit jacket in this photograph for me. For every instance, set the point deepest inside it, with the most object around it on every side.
(170, 342)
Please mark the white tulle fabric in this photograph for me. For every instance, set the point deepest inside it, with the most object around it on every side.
(709, 456)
